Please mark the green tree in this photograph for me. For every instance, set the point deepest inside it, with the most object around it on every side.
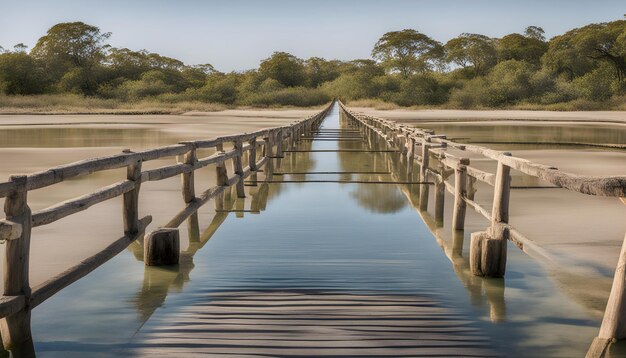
(284, 68)
(521, 47)
(535, 33)
(72, 45)
(319, 70)
(581, 50)
(20, 48)
(474, 51)
(407, 51)
(21, 74)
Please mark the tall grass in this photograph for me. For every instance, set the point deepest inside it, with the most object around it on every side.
(71, 103)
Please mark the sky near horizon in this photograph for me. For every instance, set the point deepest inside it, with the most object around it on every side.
(236, 35)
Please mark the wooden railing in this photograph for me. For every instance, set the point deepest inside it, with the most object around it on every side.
(15, 230)
(488, 248)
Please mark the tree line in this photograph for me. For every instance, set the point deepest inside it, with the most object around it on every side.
(407, 68)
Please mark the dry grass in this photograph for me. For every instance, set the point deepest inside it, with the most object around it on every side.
(614, 104)
(69, 103)
(372, 103)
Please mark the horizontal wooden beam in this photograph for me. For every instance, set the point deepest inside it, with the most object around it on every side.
(10, 305)
(63, 209)
(10, 230)
(45, 290)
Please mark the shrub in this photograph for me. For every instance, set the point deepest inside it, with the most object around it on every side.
(472, 94)
(597, 85)
(292, 96)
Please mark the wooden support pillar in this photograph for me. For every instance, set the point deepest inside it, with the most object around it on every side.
(220, 169)
(238, 168)
(193, 228)
(460, 190)
(15, 329)
(268, 148)
(161, 247)
(279, 143)
(131, 198)
(471, 187)
(189, 190)
(292, 136)
(614, 322)
(440, 189)
(488, 248)
(252, 155)
(424, 175)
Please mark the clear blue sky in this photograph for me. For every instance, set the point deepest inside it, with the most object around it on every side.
(237, 34)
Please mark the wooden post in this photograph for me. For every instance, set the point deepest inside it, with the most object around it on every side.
(471, 187)
(279, 143)
(268, 147)
(220, 169)
(15, 329)
(460, 190)
(424, 175)
(502, 190)
(238, 168)
(189, 190)
(292, 136)
(252, 155)
(614, 321)
(488, 249)
(440, 189)
(161, 247)
(131, 198)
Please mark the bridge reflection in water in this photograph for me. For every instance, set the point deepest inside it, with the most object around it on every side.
(326, 262)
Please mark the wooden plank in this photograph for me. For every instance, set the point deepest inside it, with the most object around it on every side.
(10, 230)
(10, 305)
(483, 176)
(312, 324)
(72, 206)
(478, 208)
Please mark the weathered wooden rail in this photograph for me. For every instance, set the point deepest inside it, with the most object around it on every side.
(19, 298)
(488, 248)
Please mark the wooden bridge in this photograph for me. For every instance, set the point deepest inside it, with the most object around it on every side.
(430, 159)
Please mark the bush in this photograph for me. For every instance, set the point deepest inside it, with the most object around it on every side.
(597, 85)
(151, 83)
(509, 82)
(292, 96)
(417, 90)
(473, 93)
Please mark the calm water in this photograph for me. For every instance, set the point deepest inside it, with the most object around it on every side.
(353, 238)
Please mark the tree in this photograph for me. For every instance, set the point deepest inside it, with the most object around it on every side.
(522, 48)
(535, 32)
(21, 74)
(580, 50)
(72, 45)
(285, 68)
(472, 50)
(20, 48)
(406, 51)
(318, 70)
